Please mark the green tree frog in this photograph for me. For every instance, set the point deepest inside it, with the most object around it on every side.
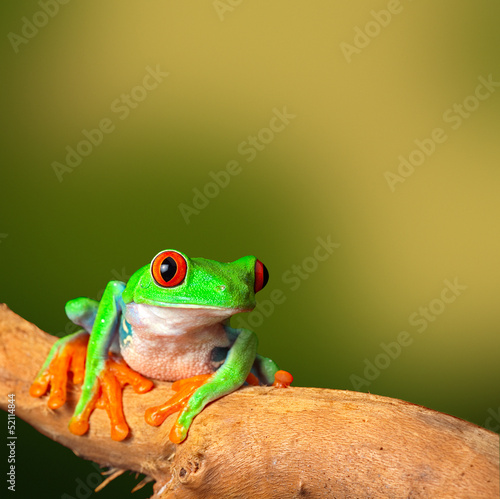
(169, 322)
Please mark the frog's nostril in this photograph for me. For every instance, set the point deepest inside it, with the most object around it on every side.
(261, 276)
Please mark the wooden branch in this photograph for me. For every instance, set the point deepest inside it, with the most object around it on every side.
(263, 442)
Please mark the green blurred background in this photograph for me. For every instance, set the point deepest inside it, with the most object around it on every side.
(358, 102)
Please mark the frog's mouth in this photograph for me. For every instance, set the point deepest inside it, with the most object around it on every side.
(192, 308)
(196, 306)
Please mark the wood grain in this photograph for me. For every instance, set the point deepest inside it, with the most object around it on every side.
(263, 442)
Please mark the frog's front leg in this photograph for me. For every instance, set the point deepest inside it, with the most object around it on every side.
(195, 393)
(104, 375)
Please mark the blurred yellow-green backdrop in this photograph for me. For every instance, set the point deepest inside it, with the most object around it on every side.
(369, 130)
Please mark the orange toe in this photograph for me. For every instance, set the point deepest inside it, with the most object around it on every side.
(177, 433)
(78, 356)
(69, 357)
(116, 375)
(128, 376)
(78, 426)
(109, 396)
(252, 380)
(40, 385)
(282, 379)
(155, 416)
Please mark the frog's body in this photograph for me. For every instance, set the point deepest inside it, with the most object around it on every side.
(169, 322)
(192, 338)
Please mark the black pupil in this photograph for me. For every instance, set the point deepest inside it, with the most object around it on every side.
(168, 268)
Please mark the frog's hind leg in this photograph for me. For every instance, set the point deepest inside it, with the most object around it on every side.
(82, 311)
(268, 372)
(264, 369)
(67, 355)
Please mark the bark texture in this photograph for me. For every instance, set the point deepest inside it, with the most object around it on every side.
(262, 442)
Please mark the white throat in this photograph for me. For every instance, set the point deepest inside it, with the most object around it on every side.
(152, 320)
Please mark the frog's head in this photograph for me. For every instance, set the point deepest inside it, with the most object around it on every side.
(175, 280)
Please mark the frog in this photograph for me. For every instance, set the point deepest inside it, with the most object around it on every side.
(169, 322)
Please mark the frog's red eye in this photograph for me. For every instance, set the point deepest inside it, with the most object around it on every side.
(261, 276)
(168, 268)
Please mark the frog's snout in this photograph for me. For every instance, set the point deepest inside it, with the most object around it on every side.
(261, 276)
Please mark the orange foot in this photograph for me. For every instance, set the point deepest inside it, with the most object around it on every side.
(68, 357)
(282, 379)
(108, 396)
(185, 388)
